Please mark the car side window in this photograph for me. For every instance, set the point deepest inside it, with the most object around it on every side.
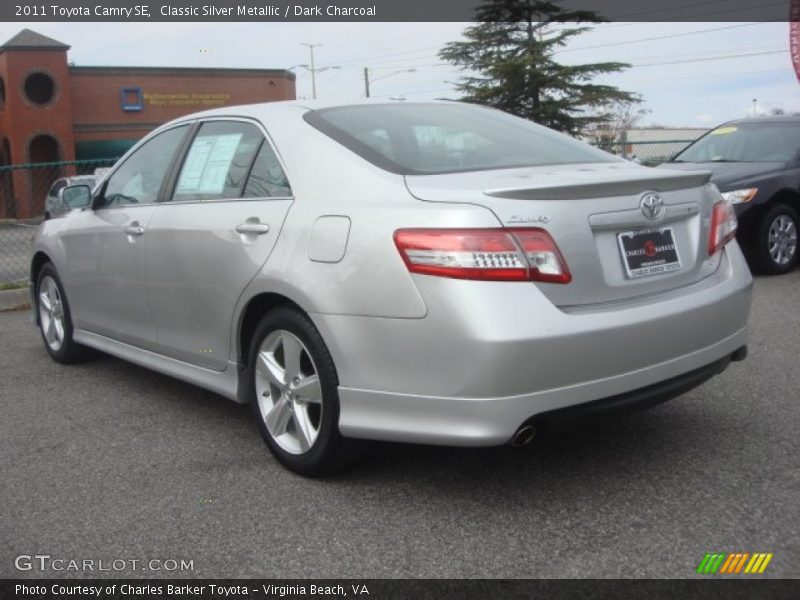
(218, 161)
(139, 179)
(60, 183)
(267, 179)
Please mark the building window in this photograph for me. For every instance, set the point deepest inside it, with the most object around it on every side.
(2, 93)
(131, 98)
(44, 148)
(40, 88)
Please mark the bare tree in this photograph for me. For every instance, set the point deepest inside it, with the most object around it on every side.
(616, 118)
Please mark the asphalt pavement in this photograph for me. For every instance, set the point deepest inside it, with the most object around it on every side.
(108, 461)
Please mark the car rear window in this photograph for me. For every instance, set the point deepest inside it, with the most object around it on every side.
(419, 139)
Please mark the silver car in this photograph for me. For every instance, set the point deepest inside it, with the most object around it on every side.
(433, 272)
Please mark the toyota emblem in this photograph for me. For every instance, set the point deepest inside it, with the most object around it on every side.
(652, 206)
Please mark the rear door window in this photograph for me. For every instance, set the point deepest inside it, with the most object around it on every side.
(267, 179)
(218, 161)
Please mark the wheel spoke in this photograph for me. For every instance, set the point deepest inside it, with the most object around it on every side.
(50, 331)
(305, 432)
(51, 291)
(44, 301)
(268, 367)
(59, 326)
(291, 356)
(308, 388)
(278, 417)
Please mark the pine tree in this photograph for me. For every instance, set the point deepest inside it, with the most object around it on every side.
(511, 50)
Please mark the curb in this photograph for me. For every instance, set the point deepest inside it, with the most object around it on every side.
(15, 299)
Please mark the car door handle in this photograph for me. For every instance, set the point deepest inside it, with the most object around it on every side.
(252, 228)
(135, 230)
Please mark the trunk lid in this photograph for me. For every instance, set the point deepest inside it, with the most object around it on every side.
(585, 207)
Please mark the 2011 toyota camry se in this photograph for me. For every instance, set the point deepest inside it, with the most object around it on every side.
(430, 272)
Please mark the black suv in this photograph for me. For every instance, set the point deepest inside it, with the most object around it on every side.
(756, 165)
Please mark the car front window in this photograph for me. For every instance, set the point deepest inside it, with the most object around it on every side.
(138, 180)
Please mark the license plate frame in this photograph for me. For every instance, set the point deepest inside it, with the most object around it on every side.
(648, 252)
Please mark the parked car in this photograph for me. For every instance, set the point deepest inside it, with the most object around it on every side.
(53, 204)
(756, 165)
(430, 272)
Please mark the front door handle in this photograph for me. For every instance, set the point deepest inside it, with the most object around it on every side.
(252, 228)
(134, 229)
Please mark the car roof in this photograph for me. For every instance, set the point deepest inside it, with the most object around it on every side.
(770, 119)
(284, 108)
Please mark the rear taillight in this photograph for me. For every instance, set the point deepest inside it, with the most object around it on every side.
(723, 226)
(485, 254)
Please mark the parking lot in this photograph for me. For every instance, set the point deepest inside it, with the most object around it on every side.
(109, 461)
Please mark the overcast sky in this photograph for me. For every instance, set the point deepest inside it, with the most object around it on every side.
(750, 60)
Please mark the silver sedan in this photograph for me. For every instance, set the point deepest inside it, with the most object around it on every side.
(418, 272)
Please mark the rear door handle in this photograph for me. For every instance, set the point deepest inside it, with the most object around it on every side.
(134, 230)
(252, 228)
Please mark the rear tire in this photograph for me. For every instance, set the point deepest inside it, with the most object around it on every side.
(293, 391)
(55, 318)
(776, 240)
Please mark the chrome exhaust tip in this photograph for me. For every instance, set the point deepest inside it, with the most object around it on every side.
(524, 436)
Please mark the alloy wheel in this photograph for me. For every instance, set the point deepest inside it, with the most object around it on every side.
(51, 313)
(782, 239)
(289, 392)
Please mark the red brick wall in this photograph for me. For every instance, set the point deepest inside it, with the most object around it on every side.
(22, 120)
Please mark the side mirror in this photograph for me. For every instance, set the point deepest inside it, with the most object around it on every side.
(75, 196)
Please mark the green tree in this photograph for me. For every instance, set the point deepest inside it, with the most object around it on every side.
(509, 53)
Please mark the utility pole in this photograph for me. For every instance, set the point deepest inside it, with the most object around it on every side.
(312, 69)
(367, 80)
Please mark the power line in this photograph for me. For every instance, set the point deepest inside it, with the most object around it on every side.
(395, 64)
(696, 60)
(786, 70)
(660, 37)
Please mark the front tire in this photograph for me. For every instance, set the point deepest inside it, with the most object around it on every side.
(55, 318)
(293, 387)
(777, 240)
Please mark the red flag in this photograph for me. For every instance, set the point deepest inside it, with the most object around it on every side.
(794, 36)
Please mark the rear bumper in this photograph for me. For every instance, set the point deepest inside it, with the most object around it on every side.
(489, 357)
(643, 398)
(493, 421)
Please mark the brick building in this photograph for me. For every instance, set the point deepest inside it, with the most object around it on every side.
(52, 111)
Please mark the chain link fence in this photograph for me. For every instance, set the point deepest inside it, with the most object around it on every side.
(24, 191)
(646, 153)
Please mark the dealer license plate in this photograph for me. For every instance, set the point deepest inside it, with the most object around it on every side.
(648, 252)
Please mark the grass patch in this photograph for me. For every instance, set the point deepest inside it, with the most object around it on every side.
(14, 285)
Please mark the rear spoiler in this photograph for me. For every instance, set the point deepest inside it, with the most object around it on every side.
(663, 181)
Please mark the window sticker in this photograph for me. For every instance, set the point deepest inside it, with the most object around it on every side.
(724, 130)
(208, 163)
